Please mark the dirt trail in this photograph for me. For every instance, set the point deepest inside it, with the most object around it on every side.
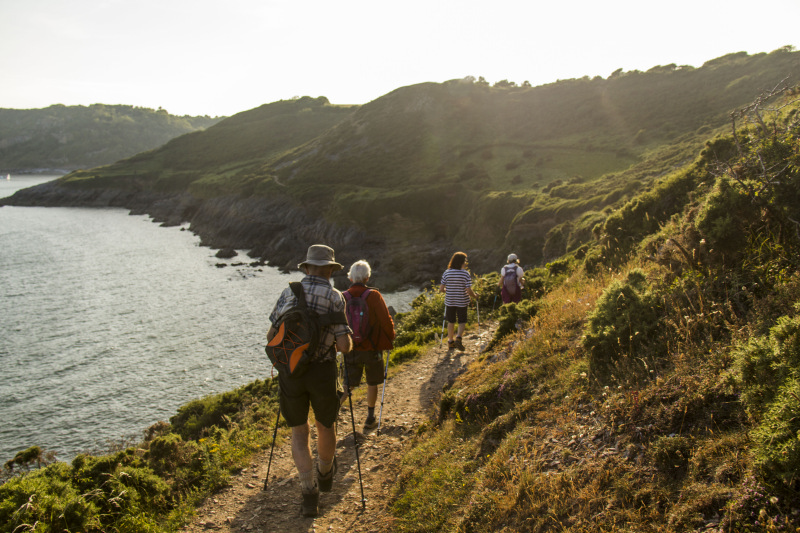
(410, 397)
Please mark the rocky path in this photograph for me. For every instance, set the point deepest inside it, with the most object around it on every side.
(411, 396)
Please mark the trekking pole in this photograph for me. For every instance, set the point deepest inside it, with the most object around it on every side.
(444, 320)
(478, 310)
(272, 449)
(383, 393)
(495, 301)
(355, 437)
(441, 340)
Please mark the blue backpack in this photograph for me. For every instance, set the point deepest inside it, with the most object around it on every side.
(358, 315)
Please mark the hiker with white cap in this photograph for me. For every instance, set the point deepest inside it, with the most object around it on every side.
(511, 280)
(317, 386)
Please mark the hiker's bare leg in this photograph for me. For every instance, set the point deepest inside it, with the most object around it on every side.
(450, 328)
(461, 328)
(326, 442)
(301, 448)
(372, 395)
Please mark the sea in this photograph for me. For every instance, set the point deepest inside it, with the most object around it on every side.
(110, 322)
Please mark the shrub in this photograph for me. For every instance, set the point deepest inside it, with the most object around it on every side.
(769, 373)
(169, 453)
(765, 364)
(41, 496)
(405, 353)
(646, 213)
(723, 218)
(513, 316)
(199, 416)
(419, 325)
(777, 438)
(671, 455)
(622, 327)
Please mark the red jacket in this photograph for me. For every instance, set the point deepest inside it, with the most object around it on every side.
(381, 323)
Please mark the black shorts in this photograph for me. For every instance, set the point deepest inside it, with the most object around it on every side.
(370, 362)
(453, 313)
(317, 389)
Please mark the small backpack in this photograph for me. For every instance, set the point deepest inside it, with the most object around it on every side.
(293, 347)
(358, 315)
(510, 279)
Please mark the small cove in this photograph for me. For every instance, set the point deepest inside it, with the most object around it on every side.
(111, 322)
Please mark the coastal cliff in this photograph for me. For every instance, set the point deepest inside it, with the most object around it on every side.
(429, 169)
(276, 230)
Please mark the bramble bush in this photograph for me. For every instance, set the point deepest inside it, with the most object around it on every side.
(725, 216)
(777, 450)
(621, 329)
(769, 371)
(767, 363)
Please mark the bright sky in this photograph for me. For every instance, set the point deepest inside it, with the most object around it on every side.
(203, 57)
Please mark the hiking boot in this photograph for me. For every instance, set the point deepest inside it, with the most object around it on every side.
(451, 345)
(325, 481)
(310, 505)
(459, 344)
(370, 423)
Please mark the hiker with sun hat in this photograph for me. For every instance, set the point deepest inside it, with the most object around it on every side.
(316, 388)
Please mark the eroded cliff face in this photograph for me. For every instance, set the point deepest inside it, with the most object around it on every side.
(276, 230)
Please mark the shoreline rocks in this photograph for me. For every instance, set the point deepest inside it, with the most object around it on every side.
(275, 231)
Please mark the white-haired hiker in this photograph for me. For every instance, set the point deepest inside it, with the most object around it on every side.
(378, 334)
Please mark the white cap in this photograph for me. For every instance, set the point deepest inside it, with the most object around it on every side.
(512, 258)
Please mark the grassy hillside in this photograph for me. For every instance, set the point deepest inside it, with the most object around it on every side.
(70, 137)
(647, 382)
(652, 382)
(462, 164)
(222, 159)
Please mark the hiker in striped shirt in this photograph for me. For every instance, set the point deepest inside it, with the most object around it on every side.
(457, 286)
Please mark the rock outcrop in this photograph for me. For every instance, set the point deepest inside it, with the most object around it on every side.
(275, 230)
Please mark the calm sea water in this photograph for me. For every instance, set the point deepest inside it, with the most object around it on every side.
(109, 323)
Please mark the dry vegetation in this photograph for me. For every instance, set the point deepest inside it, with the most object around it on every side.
(656, 388)
(649, 381)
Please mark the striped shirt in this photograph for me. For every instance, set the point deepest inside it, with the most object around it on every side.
(322, 298)
(456, 282)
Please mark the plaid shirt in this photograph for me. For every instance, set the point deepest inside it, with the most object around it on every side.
(322, 298)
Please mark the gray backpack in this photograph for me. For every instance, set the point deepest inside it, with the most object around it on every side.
(510, 279)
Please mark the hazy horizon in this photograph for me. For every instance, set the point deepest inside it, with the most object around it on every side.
(203, 58)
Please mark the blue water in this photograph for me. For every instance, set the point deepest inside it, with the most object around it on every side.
(109, 323)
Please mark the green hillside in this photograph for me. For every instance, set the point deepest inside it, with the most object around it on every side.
(70, 137)
(221, 159)
(450, 165)
(649, 381)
